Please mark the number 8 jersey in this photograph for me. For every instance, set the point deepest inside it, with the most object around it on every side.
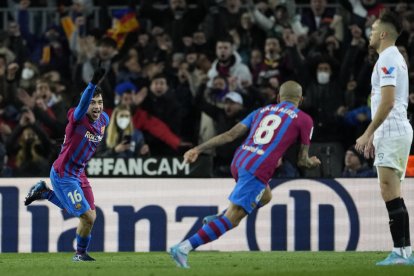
(273, 129)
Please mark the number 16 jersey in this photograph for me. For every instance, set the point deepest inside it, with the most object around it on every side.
(273, 129)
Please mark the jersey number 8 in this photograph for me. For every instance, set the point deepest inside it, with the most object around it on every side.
(264, 133)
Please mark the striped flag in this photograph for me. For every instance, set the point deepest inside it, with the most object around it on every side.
(124, 21)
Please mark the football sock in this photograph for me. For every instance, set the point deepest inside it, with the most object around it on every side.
(51, 196)
(406, 228)
(186, 246)
(396, 215)
(211, 231)
(82, 243)
(400, 251)
(408, 250)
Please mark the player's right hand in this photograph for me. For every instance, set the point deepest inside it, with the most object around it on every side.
(98, 74)
(191, 155)
(315, 161)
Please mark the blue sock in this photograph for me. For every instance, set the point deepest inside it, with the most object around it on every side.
(82, 243)
(259, 205)
(51, 196)
(211, 231)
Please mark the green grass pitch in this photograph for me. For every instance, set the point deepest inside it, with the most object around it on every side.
(202, 263)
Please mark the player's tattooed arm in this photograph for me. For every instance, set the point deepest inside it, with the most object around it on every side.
(304, 160)
(224, 138)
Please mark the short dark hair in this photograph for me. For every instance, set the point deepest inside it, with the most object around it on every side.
(98, 91)
(391, 18)
(225, 38)
(159, 76)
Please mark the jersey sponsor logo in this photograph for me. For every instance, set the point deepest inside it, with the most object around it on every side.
(253, 149)
(387, 71)
(93, 138)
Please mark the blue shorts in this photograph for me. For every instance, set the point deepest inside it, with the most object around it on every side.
(248, 191)
(69, 192)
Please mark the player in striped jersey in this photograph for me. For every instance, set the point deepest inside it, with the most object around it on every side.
(71, 189)
(389, 136)
(272, 129)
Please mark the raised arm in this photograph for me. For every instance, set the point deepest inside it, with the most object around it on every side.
(87, 94)
(238, 130)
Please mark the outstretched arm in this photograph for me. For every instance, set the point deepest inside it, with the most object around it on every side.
(83, 105)
(304, 160)
(87, 94)
(238, 130)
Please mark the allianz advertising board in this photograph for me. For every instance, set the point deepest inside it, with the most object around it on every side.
(153, 214)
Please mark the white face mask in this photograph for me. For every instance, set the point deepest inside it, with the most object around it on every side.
(122, 122)
(323, 77)
(368, 32)
(27, 73)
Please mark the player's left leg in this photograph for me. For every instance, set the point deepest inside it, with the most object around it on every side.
(83, 232)
(407, 244)
(245, 197)
(391, 192)
(208, 233)
(83, 236)
(267, 196)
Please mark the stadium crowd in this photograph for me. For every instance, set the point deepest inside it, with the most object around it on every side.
(180, 72)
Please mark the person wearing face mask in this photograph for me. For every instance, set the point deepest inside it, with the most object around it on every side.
(122, 140)
(324, 101)
(28, 75)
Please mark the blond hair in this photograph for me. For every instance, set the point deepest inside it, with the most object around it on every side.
(112, 133)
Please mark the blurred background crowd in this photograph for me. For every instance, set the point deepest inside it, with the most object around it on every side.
(182, 71)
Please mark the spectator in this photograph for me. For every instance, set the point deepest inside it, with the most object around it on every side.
(249, 36)
(324, 102)
(179, 19)
(228, 64)
(49, 109)
(276, 64)
(318, 17)
(356, 166)
(225, 119)
(122, 140)
(222, 18)
(31, 146)
(106, 54)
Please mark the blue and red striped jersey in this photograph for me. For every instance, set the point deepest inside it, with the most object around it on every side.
(273, 129)
(82, 137)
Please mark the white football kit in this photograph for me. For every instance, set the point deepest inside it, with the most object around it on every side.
(392, 140)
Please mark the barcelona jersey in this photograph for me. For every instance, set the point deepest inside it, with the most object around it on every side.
(273, 129)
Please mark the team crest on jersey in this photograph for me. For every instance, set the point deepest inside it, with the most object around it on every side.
(387, 71)
(78, 206)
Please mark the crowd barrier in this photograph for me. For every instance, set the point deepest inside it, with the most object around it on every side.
(153, 214)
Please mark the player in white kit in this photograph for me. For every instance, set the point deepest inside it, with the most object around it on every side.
(389, 136)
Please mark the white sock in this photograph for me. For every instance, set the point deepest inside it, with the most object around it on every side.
(186, 246)
(400, 251)
(408, 251)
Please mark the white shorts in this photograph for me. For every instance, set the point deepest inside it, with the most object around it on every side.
(393, 152)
